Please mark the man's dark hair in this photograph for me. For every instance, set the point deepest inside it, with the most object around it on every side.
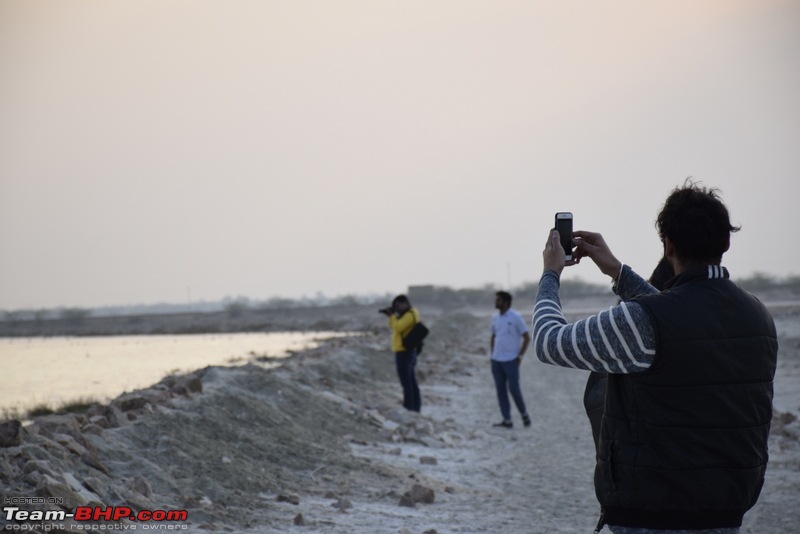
(400, 298)
(505, 296)
(697, 222)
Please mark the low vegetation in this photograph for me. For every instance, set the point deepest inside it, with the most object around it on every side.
(79, 405)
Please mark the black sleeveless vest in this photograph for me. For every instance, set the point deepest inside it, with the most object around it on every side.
(683, 444)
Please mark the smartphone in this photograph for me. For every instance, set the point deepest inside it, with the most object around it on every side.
(564, 227)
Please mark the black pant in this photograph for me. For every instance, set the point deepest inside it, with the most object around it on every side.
(406, 363)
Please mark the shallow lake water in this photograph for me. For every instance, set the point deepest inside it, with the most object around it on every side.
(57, 370)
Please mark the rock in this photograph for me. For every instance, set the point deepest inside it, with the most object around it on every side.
(52, 447)
(142, 486)
(137, 502)
(424, 428)
(10, 433)
(49, 487)
(91, 428)
(93, 460)
(49, 425)
(99, 420)
(780, 420)
(131, 401)
(422, 494)
(407, 501)
(7, 469)
(34, 478)
(184, 385)
(331, 495)
(193, 383)
(115, 416)
(293, 499)
(342, 504)
(391, 426)
(69, 443)
(428, 460)
(102, 488)
(378, 420)
(299, 520)
(38, 466)
(81, 490)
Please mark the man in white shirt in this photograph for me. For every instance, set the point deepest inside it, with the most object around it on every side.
(510, 339)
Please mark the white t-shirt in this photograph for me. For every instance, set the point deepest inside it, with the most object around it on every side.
(508, 330)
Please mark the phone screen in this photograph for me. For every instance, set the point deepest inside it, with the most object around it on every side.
(564, 227)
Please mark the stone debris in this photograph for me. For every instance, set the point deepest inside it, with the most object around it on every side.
(420, 493)
(416, 495)
(293, 499)
(9, 433)
(407, 501)
(141, 486)
(59, 490)
(342, 504)
(428, 460)
(299, 520)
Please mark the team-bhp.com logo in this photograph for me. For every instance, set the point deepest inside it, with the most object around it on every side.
(88, 517)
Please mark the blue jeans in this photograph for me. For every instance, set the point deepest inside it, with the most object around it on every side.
(406, 363)
(506, 379)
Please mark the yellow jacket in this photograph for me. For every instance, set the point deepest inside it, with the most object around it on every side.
(401, 326)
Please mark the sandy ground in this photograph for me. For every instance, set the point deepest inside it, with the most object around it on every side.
(324, 442)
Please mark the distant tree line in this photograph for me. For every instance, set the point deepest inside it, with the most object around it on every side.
(235, 307)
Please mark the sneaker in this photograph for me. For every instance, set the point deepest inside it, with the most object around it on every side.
(526, 420)
(505, 424)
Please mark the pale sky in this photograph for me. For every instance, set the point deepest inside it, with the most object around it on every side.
(156, 151)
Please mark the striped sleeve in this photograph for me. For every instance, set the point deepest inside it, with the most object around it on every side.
(632, 285)
(618, 340)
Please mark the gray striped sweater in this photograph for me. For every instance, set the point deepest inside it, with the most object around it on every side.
(618, 340)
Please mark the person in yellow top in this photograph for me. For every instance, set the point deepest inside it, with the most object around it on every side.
(402, 318)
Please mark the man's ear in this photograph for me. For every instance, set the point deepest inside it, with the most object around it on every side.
(672, 256)
(669, 249)
(727, 244)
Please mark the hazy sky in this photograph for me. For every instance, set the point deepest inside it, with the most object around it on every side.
(156, 151)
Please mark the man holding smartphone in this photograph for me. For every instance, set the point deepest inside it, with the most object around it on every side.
(688, 404)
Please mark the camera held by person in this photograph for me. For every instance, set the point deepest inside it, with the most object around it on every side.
(387, 311)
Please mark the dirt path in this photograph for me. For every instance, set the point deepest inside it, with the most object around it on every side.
(536, 479)
(486, 479)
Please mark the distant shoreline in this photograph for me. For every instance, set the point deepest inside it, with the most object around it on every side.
(336, 317)
(333, 318)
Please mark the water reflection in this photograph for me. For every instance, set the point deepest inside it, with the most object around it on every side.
(53, 371)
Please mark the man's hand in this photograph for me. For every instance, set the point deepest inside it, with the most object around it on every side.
(554, 254)
(592, 245)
